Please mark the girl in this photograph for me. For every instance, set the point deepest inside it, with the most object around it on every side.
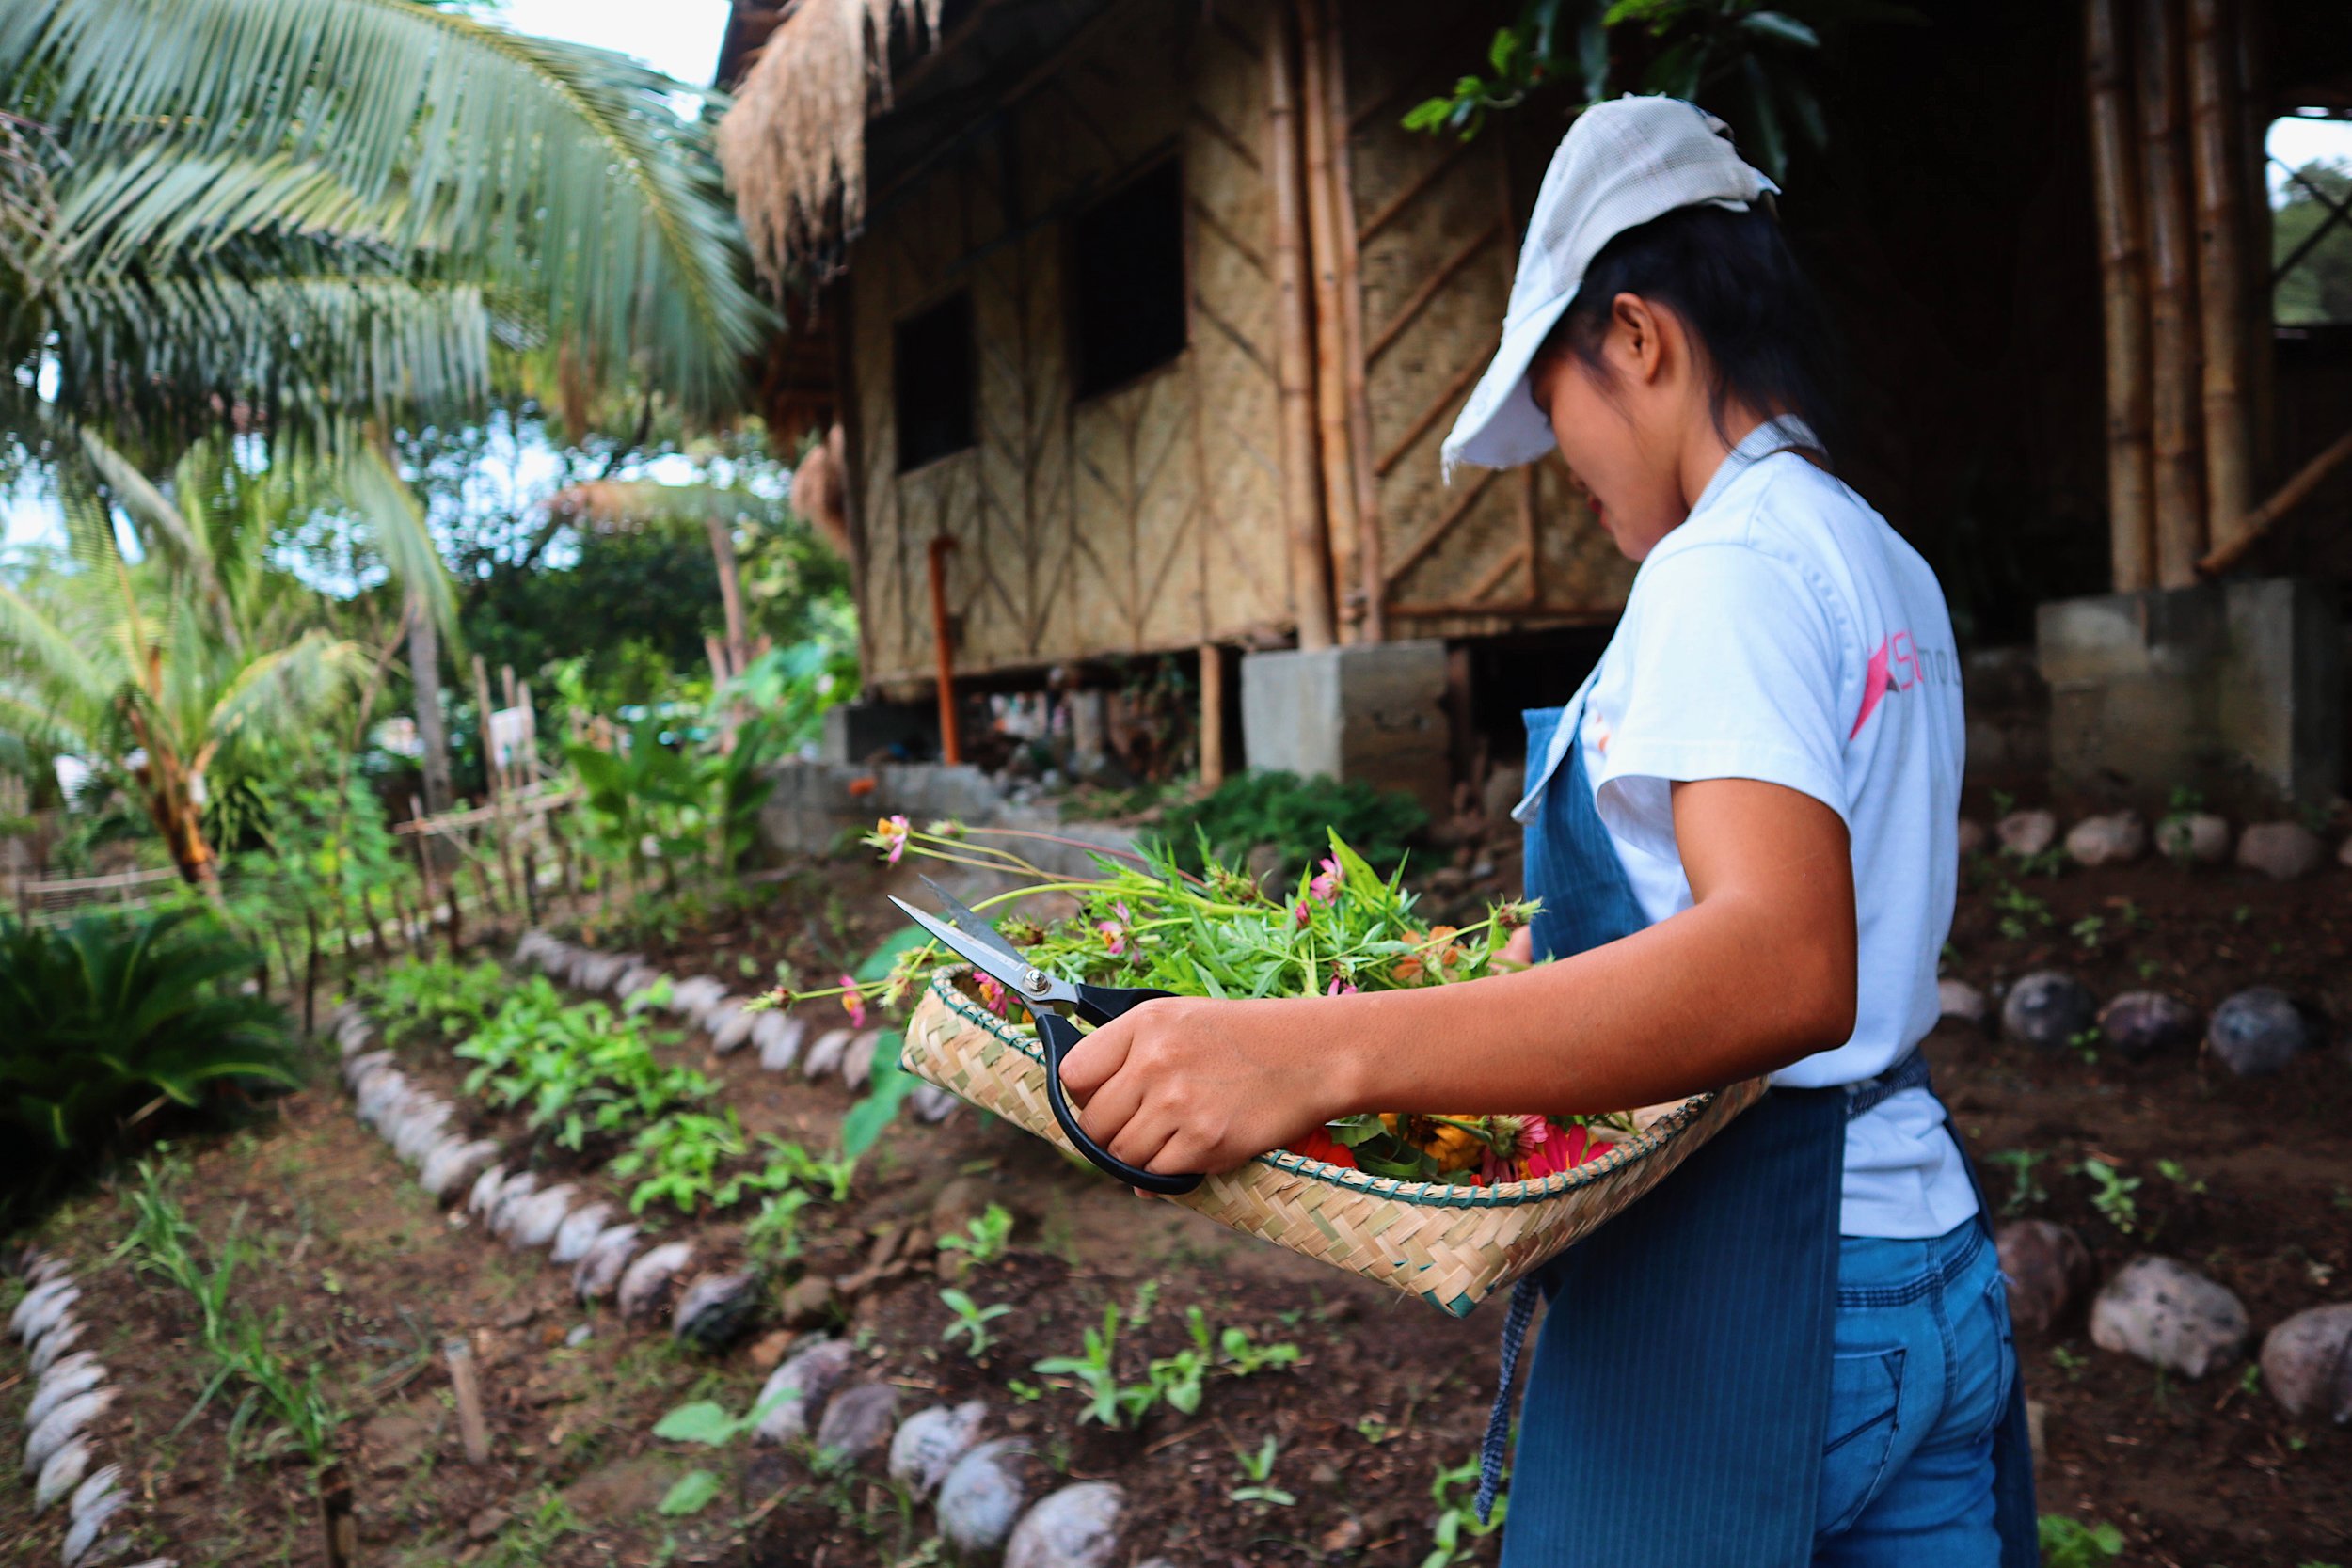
(1741, 830)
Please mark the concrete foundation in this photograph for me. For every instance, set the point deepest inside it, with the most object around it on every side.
(1373, 711)
(2235, 689)
(814, 804)
(862, 732)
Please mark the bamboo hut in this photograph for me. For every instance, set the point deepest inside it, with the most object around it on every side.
(1143, 319)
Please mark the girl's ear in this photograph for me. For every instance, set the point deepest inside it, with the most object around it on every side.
(1635, 336)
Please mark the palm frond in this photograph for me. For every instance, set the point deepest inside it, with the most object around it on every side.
(181, 542)
(44, 654)
(397, 529)
(288, 686)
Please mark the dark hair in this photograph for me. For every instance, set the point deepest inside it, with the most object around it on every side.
(1731, 279)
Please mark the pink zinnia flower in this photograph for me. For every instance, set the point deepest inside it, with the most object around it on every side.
(853, 1002)
(891, 833)
(1302, 913)
(1114, 936)
(992, 995)
(1326, 882)
(1341, 987)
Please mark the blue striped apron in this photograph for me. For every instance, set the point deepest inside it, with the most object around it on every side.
(1675, 1411)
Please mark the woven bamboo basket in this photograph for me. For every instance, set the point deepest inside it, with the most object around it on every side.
(1451, 1245)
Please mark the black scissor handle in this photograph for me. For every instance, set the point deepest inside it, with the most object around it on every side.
(1058, 1035)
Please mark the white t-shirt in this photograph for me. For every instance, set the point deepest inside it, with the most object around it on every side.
(1785, 632)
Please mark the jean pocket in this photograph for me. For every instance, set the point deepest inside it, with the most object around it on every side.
(1865, 1390)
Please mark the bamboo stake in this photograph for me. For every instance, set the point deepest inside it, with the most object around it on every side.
(2220, 264)
(1211, 715)
(950, 744)
(1341, 530)
(466, 1385)
(2257, 523)
(497, 783)
(2175, 397)
(1347, 255)
(1302, 496)
(2124, 289)
(2254, 93)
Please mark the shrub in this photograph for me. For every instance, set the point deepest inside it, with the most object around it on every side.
(112, 1015)
(1295, 815)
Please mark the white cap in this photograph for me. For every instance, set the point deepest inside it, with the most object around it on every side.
(1621, 163)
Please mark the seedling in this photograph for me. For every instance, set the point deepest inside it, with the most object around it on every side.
(2021, 912)
(972, 1321)
(2085, 1043)
(2176, 1173)
(707, 1424)
(1257, 1470)
(984, 1239)
(1457, 1522)
(2071, 1543)
(2067, 1361)
(1108, 1400)
(1179, 1379)
(2113, 1197)
(2026, 1189)
(774, 1235)
(2086, 931)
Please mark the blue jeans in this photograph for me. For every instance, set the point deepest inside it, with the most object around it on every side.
(1920, 1376)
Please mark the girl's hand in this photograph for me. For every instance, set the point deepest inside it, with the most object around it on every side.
(1192, 1084)
(1520, 950)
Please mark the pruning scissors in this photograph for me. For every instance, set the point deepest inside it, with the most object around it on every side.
(980, 944)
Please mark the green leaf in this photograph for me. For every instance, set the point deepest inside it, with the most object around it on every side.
(1782, 29)
(1503, 51)
(703, 1423)
(691, 1493)
(878, 964)
(890, 1086)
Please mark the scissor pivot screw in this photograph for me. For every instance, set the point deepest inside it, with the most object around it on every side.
(1033, 982)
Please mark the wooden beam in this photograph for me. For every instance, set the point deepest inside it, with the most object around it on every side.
(1446, 519)
(2176, 422)
(1372, 582)
(1397, 204)
(1454, 388)
(1302, 493)
(1211, 736)
(2124, 291)
(1421, 297)
(1333, 269)
(1492, 577)
(2257, 523)
(2218, 173)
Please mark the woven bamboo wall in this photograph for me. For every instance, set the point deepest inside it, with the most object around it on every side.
(1437, 242)
(1143, 519)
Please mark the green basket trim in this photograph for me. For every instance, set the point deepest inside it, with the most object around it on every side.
(1428, 1194)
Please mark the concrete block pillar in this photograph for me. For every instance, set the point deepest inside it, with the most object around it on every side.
(2234, 688)
(1373, 711)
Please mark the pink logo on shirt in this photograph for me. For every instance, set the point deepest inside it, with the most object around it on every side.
(1894, 668)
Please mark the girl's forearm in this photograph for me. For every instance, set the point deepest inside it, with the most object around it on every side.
(1719, 992)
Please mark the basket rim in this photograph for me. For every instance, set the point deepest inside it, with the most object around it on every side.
(1439, 1195)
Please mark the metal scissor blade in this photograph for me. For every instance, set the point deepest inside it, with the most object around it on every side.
(970, 922)
(1015, 974)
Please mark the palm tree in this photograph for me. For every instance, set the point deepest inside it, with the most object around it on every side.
(157, 661)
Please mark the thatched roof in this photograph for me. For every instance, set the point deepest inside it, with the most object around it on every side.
(794, 145)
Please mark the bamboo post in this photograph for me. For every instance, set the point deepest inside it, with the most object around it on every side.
(950, 745)
(1211, 715)
(1302, 491)
(498, 783)
(2220, 264)
(1347, 253)
(466, 1385)
(2175, 386)
(2123, 288)
(1342, 530)
(2252, 51)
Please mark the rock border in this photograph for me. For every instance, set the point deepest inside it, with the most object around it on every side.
(2283, 850)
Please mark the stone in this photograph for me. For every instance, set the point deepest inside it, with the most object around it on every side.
(1075, 1528)
(600, 1267)
(59, 1472)
(778, 1037)
(511, 1192)
(730, 1027)
(356, 1068)
(2140, 1024)
(857, 1062)
(481, 1200)
(420, 1127)
(41, 1307)
(798, 1387)
(857, 1421)
(806, 1302)
(960, 1200)
(2307, 1363)
(1971, 835)
(579, 1232)
(2048, 1270)
(1264, 863)
(1959, 999)
(931, 1103)
(2027, 832)
(378, 1094)
(825, 1054)
(596, 971)
(62, 1383)
(82, 1534)
(2256, 1032)
(452, 1165)
(2111, 839)
(2194, 839)
(2279, 851)
(927, 1444)
(984, 1492)
(645, 1284)
(534, 1222)
(769, 1347)
(2165, 1313)
(51, 1346)
(715, 1309)
(693, 995)
(94, 1490)
(62, 1425)
(2048, 1009)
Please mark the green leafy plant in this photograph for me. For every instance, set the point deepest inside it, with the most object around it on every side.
(1457, 1525)
(2068, 1362)
(575, 1067)
(2021, 912)
(972, 1321)
(2071, 1543)
(984, 1237)
(2026, 1189)
(2087, 931)
(2112, 1195)
(2176, 1173)
(435, 998)
(1257, 1473)
(1112, 1404)
(111, 1018)
(772, 1235)
(1292, 814)
(679, 1155)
